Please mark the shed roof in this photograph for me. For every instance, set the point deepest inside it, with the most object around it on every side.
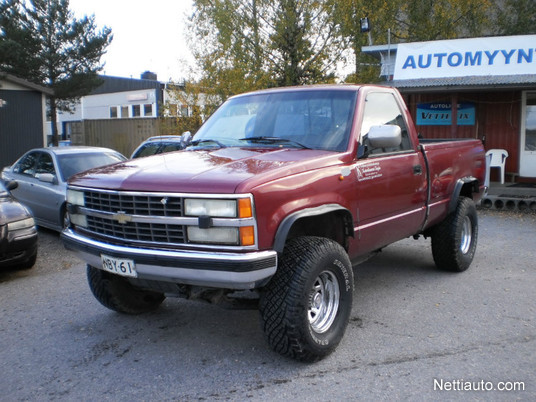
(25, 83)
(467, 83)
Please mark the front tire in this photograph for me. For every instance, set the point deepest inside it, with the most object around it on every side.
(116, 293)
(306, 306)
(454, 240)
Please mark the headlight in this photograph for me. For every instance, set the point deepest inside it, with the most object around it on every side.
(220, 235)
(209, 207)
(22, 224)
(75, 197)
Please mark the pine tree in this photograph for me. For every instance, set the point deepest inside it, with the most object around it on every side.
(41, 41)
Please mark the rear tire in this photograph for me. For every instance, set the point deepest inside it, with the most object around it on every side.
(454, 240)
(116, 293)
(306, 306)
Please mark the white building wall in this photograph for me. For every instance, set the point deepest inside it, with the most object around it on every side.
(102, 106)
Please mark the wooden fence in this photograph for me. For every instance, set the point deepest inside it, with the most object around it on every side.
(124, 135)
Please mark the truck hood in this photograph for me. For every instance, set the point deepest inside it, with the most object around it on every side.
(224, 170)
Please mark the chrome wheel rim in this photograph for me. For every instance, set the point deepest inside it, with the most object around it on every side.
(323, 302)
(467, 234)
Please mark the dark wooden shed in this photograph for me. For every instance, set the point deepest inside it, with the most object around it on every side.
(22, 117)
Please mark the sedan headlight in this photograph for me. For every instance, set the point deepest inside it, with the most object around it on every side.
(22, 224)
(75, 197)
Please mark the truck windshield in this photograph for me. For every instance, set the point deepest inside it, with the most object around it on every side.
(307, 119)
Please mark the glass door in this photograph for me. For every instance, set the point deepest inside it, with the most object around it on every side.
(527, 160)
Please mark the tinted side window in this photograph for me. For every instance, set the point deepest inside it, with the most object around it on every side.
(147, 149)
(381, 108)
(27, 164)
(45, 164)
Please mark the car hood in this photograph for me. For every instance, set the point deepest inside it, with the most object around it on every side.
(11, 210)
(224, 170)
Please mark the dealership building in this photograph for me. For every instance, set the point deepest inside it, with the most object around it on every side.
(471, 88)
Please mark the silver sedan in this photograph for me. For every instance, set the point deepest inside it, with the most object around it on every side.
(42, 176)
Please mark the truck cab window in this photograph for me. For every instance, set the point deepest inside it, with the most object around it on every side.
(381, 108)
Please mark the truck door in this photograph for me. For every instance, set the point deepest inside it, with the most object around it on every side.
(391, 183)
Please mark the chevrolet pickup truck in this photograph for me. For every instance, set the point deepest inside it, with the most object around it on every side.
(280, 193)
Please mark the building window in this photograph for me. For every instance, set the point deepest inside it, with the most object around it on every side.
(113, 112)
(124, 112)
(136, 110)
(183, 110)
(148, 109)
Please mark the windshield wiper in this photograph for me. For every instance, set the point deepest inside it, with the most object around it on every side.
(198, 142)
(273, 140)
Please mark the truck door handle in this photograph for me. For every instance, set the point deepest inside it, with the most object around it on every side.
(417, 170)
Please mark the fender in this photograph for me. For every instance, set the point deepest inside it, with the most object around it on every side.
(285, 226)
(460, 183)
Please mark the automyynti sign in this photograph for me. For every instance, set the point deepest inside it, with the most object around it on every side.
(506, 55)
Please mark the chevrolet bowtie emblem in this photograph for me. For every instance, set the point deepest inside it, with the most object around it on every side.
(121, 217)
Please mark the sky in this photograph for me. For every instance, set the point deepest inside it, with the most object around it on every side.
(147, 35)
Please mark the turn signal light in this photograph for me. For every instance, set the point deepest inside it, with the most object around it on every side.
(247, 236)
(244, 208)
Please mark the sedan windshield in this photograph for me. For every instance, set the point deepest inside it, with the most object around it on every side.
(315, 119)
(71, 164)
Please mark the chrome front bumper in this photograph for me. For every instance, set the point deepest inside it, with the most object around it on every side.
(221, 270)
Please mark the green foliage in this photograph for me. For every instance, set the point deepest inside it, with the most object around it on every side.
(423, 20)
(517, 17)
(189, 94)
(41, 41)
(242, 45)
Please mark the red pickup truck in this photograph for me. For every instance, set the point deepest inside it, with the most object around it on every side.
(280, 193)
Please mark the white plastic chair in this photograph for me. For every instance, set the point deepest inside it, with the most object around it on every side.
(496, 158)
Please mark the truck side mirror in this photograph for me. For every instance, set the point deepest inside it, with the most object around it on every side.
(385, 136)
(186, 139)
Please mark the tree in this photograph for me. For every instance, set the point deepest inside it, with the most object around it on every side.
(516, 17)
(41, 41)
(248, 44)
(425, 20)
(409, 21)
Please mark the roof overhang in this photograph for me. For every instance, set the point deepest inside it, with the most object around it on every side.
(458, 84)
(25, 83)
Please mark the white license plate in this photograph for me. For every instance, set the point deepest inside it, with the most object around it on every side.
(119, 266)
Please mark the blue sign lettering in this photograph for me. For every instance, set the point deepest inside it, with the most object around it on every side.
(410, 62)
(471, 60)
(428, 61)
(491, 56)
(440, 57)
(439, 114)
(507, 55)
(455, 63)
(522, 55)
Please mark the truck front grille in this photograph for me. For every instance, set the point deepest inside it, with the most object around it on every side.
(134, 204)
(129, 204)
(135, 231)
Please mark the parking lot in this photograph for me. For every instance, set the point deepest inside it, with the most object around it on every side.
(415, 333)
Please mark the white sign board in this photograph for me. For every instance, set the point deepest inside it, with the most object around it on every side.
(505, 55)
